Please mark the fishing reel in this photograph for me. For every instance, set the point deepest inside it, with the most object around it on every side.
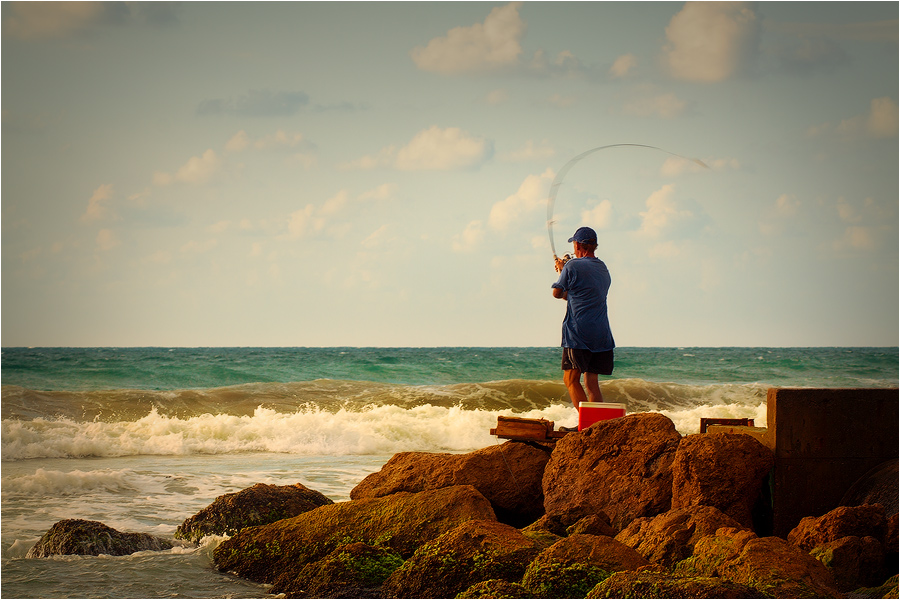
(561, 262)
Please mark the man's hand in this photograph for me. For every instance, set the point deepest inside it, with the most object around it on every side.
(560, 263)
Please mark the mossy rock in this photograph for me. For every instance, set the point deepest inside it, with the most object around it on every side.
(352, 571)
(495, 588)
(93, 538)
(561, 580)
(658, 583)
(472, 552)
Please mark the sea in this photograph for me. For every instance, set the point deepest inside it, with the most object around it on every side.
(143, 438)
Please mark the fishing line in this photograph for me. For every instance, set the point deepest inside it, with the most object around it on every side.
(557, 181)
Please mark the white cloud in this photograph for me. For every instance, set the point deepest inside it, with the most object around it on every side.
(531, 196)
(622, 66)
(315, 219)
(598, 217)
(432, 149)
(711, 41)
(496, 97)
(197, 170)
(856, 238)
(481, 47)
(35, 20)
(106, 240)
(199, 247)
(530, 151)
(385, 191)
(662, 212)
(238, 142)
(665, 106)
(98, 204)
(470, 238)
(785, 208)
(880, 122)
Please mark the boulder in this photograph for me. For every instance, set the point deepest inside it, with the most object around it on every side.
(670, 537)
(257, 505)
(93, 538)
(843, 521)
(656, 582)
(621, 467)
(351, 571)
(770, 565)
(594, 525)
(495, 588)
(474, 551)
(877, 486)
(571, 567)
(277, 552)
(853, 561)
(508, 475)
(723, 470)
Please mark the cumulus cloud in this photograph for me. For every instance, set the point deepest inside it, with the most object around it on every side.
(98, 204)
(44, 20)
(106, 240)
(432, 149)
(880, 122)
(529, 198)
(663, 214)
(482, 47)
(599, 216)
(256, 103)
(856, 238)
(327, 217)
(785, 208)
(711, 41)
(622, 66)
(496, 97)
(198, 169)
(470, 238)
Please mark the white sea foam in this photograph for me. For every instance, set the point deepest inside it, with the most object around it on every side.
(376, 430)
(46, 482)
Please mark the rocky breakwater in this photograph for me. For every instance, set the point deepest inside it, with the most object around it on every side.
(625, 508)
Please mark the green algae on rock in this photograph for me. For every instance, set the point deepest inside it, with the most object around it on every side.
(401, 522)
(77, 536)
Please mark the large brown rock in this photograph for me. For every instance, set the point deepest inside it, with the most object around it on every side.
(878, 486)
(355, 570)
(571, 567)
(843, 521)
(474, 551)
(508, 475)
(277, 552)
(621, 467)
(853, 561)
(257, 505)
(724, 470)
(92, 538)
(656, 582)
(670, 537)
(770, 565)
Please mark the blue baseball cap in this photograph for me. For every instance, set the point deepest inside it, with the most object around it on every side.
(584, 235)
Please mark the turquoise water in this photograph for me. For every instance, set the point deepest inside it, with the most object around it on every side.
(143, 438)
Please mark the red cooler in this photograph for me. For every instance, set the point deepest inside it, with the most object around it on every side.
(591, 412)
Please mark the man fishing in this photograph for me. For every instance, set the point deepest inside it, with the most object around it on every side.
(586, 338)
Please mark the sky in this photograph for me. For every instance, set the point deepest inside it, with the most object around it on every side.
(377, 174)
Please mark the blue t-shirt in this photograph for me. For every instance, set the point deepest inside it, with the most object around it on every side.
(586, 325)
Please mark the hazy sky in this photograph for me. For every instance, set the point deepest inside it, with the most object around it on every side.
(376, 174)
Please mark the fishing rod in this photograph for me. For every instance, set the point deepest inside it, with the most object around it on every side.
(557, 181)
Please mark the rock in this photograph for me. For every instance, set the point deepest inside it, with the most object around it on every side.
(723, 470)
(877, 486)
(571, 567)
(888, 589)
(770, 565)
(656, 582)
(546, 531)
(843, 521)
(670, 537)
(495, 588)
(352, 571)
(508, 475)
(257, 505)
(400, 522)
(92, 538)
(853, 561)
(472, 552)
(621, 467)
(593, 525)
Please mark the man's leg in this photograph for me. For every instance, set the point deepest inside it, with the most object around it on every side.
(593, 387)
(572, 379)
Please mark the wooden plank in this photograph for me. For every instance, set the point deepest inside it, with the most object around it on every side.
(517, 428)
(704, 423)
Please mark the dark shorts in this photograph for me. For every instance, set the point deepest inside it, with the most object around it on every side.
(587, 361)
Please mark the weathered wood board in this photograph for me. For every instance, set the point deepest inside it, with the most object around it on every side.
(517, 428)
